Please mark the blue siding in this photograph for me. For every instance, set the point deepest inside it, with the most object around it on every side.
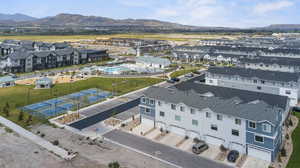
(268, 142)
(146, 104)
(259, 129)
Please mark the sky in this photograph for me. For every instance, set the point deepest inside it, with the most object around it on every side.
(224, 13)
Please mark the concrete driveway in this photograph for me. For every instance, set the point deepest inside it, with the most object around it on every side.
(166, 154)
(252, 162)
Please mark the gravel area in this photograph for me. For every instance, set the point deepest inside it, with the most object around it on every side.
(18, 152)
(101, 153)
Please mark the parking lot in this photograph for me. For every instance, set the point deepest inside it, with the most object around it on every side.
(166, 153)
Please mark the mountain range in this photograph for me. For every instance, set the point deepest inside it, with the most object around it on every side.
(76, 20)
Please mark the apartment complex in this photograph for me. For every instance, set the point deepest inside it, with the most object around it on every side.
(272, 82)
(250, 122)
(28, 56)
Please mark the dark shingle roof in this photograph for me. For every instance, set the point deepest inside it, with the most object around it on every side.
(242, 104)
(255, 73)
(273, 60)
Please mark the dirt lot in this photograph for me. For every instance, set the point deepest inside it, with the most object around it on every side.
(101, 153)
(17, 152)
(56, 80)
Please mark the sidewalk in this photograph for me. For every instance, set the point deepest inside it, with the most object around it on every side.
(36, 139)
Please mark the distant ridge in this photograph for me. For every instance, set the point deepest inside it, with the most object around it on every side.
(18, 17)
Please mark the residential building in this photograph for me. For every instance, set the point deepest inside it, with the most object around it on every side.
(272, 64)
(7, 81)
(153, 62)
(26, 56)
(249, 122)
(44, 83)
(273, 82)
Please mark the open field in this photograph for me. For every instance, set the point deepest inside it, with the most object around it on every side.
(294, 161)
(21, 95)
(74, 38)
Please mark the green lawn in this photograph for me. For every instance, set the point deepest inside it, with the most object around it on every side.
(18, 96)
(294, 161)
(187, 69)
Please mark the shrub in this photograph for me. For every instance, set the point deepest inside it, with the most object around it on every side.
(161, 129)
(283, 152)
(196, 140)
(290, 123)
(186, 137)
(287, 136)
(222, 148)
(42, 135)
(114, 165)
(56, 142)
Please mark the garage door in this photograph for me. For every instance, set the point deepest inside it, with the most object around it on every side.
(160, 125)
(214, 140)
(258, 153)
(177, 130)
(193, 134)
(147, 121)
(237, 146)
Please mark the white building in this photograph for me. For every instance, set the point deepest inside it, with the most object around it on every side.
(153, 62)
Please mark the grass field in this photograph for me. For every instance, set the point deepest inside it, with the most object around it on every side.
(21, 95)
(171, 37)
(187, 69)
(294, 161)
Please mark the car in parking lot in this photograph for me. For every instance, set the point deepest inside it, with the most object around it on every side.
(170, 81)
(175, 79)
(233, 156)
(199, 147)
(189, 75)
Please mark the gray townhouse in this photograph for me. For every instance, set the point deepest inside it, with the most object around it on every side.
(271, 64)
(272, 82)
(249, 122)
(28, 56)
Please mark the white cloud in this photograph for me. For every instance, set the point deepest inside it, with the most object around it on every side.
(263, 8)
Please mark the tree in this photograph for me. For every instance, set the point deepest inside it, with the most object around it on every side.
(5, 109)
(21, 115)
(29, 119)
(114, 165)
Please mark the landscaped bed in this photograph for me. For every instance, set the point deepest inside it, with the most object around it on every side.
(294, 161)
(22, 95)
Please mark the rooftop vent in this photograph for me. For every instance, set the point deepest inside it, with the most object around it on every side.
(208, 94)
(254, 102)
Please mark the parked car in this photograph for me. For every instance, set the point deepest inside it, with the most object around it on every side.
(175, 79)
(199, 147)
(233, 156)
(189, 75)
(170, 81)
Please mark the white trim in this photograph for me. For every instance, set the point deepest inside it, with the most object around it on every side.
(267, 136)
(259, 141)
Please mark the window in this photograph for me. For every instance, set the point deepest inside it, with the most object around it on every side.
(266, 127)
(147, 110)
(258, 87)
(288, 92)
(208, 115)
(255, 81)
(252, 124)
(210, 81)
(193, 111)
(143, 100)
(219, 117)
(173, 106)
(182, 108)
(159, 103)
(238, 121)
(259, 139)
(214, 127)
(262, 81)
(177, 118)
(235, 132)
(195, 122)
(161, 113)
(151, 101)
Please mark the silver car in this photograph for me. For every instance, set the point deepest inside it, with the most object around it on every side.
(199, 147)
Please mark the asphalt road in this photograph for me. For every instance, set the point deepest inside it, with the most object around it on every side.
(163, 152)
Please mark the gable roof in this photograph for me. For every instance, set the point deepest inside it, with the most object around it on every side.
(256, 73)
(256, 109)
